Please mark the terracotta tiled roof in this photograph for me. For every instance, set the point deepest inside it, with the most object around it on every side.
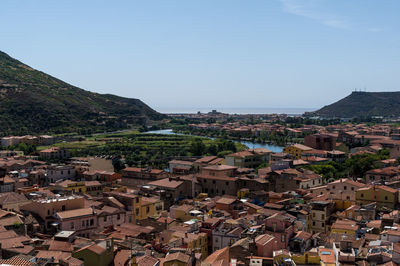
(74, 262)
(179, 256)
(301, 147)
(218, 255)
(327, 256)
(206, 159)
(263, 239)
(16, 261)
(226, 200)
(348, 181)
(147, 260)
(166, 183)
(11, 197)
(96, 249)
(166, 220)
(122, 257)
(181, 162)
(345, 225)
(10, 221)
(303, 235)
(75, 213)
(391, 232)
(92, 183)
(60, 246)
(57, 255)
(375, 224)
(7, 234)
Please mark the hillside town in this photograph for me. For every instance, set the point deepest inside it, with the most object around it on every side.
(250, 207)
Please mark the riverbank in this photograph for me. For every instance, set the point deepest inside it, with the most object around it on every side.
(249, 144)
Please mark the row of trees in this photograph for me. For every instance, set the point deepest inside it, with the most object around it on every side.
(219, 147)
(355, 166)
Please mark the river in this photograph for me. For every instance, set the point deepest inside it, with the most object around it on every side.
(251, 145)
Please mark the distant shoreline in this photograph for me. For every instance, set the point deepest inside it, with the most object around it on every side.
(233, 110)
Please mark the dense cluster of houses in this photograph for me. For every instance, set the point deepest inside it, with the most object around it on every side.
(349, 132)
(206, 210)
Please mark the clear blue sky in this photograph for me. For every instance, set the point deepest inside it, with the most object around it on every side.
(210, 53)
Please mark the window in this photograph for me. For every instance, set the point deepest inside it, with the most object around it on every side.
(118, 216)
(62, 172)
(322, 216)
(147, 209)
(72, 225)
(352, 188)
(323, 224)
(105, 218)
(137, 211)
(213, 181)
(313, 215)
(345, 187)
(386, 198)
(362, 195)
(348, 197)
(83, 223)
(333, 187)
(48, 212)
(227, 183)
(91, 222)
(63, 208)
(283, 238)
(137, 200)
(313, 223)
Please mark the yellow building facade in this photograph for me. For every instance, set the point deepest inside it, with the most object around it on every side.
(144, 208)
(296, 150)
(385, 197)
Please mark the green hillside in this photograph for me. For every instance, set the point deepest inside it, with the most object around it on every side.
(34, 102)
(363, 104)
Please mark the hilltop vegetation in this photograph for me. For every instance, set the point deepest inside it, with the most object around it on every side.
(33, 102)
(363, 104)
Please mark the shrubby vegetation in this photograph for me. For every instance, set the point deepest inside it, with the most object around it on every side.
(34, 102)
(355, 166)
(274, 138)
(154, 150)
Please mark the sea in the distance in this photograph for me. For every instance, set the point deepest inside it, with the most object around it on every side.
(242, 110)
